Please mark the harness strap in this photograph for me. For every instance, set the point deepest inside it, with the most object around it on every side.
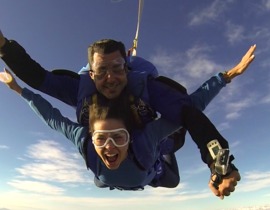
(135, 111)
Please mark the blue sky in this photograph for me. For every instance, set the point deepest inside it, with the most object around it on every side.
(187, 40)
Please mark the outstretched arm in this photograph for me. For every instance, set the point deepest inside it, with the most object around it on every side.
(209, 89)
(48, 114)
(62, 87)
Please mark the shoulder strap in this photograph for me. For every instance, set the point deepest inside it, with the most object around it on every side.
(134, 111)
(177, 137)
(140, 150)
(172, 84)
(133, 156)
(90, 156)
(66, 72)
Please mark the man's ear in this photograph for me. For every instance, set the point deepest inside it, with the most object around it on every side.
(91, 74)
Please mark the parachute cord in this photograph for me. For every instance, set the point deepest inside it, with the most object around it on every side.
(133, 49)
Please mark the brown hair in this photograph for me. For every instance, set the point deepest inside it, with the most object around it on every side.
(101, 109)
(105, 46)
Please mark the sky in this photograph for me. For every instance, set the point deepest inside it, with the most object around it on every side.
(187, 40)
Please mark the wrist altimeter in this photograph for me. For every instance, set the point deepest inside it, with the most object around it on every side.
(222, 162)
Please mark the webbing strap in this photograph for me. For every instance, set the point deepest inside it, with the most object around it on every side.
(132, 50)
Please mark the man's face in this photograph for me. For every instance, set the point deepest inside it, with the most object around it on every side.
(109, 73)
(111, 155)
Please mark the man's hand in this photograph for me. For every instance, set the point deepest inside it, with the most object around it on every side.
(227, 185)
(242, 65)
(2, 39)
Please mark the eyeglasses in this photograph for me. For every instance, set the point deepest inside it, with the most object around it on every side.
(116, 66)
(119, 137)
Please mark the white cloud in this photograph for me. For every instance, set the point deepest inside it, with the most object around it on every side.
(209, 13)
(4, 147)
(180, 193)
(254, 181)
(196, 170)
(234, 144)
(200, 66)
(266, 4)
(234, 33)
(266, 207)
(260, 32)
(51, 172)
(187, 66)
(223, 126)
(266, 99)
(152, 197)
(36, 187)
(198, 63)
(116, 1)
(50, 162)
(235, 107)
(165, 61)
(232, 115)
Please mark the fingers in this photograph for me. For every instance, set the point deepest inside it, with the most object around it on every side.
(250, 52)
(220, 193)
(213, 188)
(6, 76)
(227, 193)
(252, 48)
(227, 186)
(238, 178)
(221, 197)
(241, 67)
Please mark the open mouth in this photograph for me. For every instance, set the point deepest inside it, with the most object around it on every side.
(111, 158)
(111, 87)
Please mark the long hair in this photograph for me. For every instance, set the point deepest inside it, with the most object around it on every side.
(120, 108)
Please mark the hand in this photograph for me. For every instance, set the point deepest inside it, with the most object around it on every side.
(227, 185)
(241, 67)
(7, 78)
(2, 39)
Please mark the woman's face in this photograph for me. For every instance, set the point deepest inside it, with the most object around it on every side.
(111, 155)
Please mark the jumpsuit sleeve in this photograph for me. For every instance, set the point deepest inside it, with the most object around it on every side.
(207, 91)
(62, 87)
(53, 118)
(178, 109)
